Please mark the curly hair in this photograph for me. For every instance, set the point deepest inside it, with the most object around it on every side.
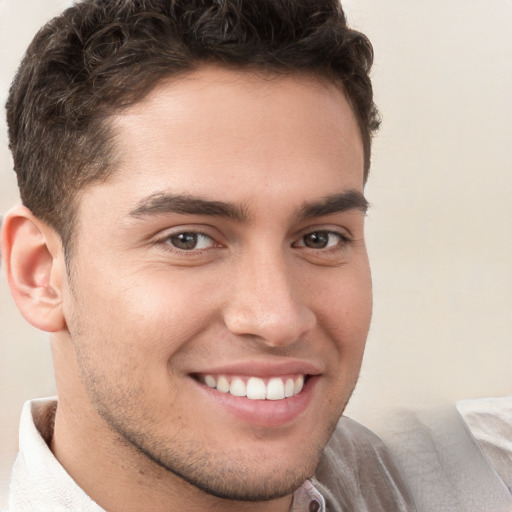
(100, 56)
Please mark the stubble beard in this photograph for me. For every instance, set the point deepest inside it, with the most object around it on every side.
(213, 474)
(237, 475)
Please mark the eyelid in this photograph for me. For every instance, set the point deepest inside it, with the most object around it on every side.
(343, 240)
(163, 236)
(341, 231)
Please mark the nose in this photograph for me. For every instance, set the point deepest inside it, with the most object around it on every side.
(267, 303)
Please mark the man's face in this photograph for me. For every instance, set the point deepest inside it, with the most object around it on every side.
(226, 252)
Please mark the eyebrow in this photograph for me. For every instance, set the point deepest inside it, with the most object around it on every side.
(336, 203)
(163, 203)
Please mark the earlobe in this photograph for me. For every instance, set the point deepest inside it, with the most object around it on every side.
(34, 264)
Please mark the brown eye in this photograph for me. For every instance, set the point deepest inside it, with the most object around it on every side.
(188, 241)
(317, 240)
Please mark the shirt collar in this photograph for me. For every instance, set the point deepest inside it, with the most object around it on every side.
(308, 499)
(39, 479)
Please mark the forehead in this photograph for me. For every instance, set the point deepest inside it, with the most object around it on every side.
(205, 131)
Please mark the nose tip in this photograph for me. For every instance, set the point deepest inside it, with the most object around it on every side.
(275, 327)
(271, 311)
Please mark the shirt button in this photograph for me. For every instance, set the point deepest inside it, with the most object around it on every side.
(314, 506)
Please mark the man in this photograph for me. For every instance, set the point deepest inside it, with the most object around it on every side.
(191, 236)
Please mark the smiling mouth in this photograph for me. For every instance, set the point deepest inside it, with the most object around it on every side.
(255, 388)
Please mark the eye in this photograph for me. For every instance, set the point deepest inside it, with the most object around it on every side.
(322, 240)
(190, 241)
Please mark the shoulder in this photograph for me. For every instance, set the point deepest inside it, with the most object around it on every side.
(357, 471)
(431, 445)
(354, 439)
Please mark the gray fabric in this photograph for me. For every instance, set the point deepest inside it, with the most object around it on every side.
(490, 422)
(443, 464)
(358, 474)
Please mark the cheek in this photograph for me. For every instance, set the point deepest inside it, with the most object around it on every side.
(147, 315)
(346, 320)
(346, 304)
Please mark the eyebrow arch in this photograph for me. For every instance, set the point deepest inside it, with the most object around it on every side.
(162, 203)
(336, 203)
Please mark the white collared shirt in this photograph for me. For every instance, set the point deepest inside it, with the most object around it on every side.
(356, 473)
(40, 484)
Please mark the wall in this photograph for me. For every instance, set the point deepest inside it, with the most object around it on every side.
(438, 231)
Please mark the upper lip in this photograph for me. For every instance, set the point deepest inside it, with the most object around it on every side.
(263, 369)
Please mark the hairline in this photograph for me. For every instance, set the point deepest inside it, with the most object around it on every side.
(106, 121)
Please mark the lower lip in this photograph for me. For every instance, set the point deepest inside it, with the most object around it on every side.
(264, 413)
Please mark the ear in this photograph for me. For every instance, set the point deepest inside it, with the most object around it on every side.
(33, 257)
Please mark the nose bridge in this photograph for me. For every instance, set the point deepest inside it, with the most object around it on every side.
(267, 302)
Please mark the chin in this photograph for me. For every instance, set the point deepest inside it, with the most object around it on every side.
(240, 475)
(245, 484)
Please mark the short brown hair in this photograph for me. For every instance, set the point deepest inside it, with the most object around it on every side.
(100, 56)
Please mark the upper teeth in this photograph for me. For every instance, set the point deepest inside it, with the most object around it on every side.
(255, 388)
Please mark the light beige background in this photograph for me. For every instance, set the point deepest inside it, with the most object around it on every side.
(439, 230)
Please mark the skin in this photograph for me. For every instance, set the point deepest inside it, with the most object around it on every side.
(135, 319)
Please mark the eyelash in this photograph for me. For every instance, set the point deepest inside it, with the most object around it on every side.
(343, 241)
(166, 241)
